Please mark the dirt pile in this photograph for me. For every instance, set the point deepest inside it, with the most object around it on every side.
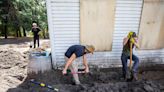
(12, 68)
(11, 58)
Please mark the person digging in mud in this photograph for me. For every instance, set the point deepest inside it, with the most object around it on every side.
(35, 30)
(71, 57)
(131, 38)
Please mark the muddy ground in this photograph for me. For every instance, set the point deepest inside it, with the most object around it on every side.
(103, 80)
(14, 77)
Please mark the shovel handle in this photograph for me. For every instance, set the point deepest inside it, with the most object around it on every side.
(79, 71)
(130, 64)
(43, 85)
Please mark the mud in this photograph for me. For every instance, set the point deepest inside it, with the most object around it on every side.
(102, 80)
(14, 78)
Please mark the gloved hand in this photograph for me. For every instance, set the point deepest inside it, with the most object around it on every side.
(130, 34)
(132, 40)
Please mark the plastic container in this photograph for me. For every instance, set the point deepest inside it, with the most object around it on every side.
(39, 62)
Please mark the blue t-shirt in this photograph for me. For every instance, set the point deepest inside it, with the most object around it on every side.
(79, 51)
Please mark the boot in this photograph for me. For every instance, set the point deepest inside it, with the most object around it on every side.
(135, 78)
(76, 83)
(128, 75)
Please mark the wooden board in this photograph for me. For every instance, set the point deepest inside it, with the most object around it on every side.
(97, 23)
(151, 33)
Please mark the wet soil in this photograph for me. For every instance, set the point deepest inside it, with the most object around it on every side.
(99, 80)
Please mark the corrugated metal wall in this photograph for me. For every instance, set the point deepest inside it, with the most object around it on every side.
(63, 16)
(64, 23)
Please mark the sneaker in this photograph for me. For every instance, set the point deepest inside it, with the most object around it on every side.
(77, 83)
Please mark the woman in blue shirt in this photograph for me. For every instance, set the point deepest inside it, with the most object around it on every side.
(71, 56)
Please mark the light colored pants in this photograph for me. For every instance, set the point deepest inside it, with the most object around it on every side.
(74, 69)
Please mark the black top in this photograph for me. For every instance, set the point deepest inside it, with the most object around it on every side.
(79, 50)
(35, 31)
(126, 48)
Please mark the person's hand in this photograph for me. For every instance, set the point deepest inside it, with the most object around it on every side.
(132, 40)
(64, 71)
(136, 39)
(130, 34)
(86, 70)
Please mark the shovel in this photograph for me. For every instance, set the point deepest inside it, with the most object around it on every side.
(44, 85)
(129, 74)
(80, 71)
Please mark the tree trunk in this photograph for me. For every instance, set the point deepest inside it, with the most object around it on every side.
(20, 35)
(44, 35)
(16, 33)
(24, 32)
(5, 31)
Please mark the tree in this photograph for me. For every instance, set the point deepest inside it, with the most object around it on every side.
(8, 15)
(4, 15)
(20, 14)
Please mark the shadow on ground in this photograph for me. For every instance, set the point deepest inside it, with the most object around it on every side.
(17, 41)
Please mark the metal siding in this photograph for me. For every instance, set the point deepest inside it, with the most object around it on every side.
(64, 27)
(50, 28)
(127, 19)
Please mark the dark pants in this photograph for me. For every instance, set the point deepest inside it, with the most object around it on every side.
(124, 59)
(36, 38)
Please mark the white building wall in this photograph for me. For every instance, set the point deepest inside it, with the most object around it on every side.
(64, 28)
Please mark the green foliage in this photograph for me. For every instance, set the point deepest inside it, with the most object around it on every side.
(44, 33)
(21, 13)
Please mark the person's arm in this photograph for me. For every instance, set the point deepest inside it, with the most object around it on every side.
(39, 29)
(125, 40)
(135, 42)
(85, 64)
(70, 60)
(32, 29)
